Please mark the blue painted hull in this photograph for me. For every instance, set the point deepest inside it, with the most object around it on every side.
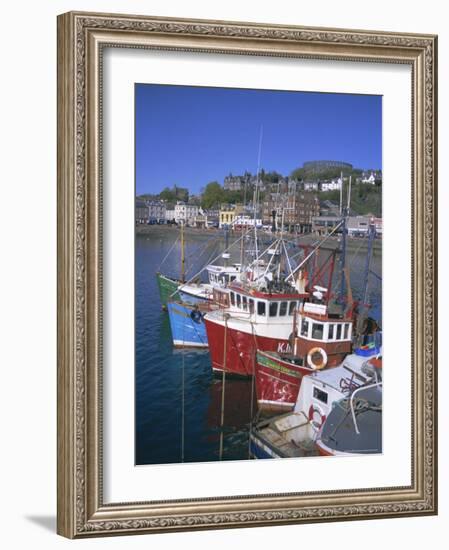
(187, 326)
(260, 449)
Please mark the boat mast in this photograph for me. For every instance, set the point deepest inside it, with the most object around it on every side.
(182, 253)
(256, 192)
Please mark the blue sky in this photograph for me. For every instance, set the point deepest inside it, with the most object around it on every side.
(190, 136)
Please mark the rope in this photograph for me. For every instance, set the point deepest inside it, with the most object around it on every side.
(253, 382)
(168, 253)
(223, 389)
(183, 397)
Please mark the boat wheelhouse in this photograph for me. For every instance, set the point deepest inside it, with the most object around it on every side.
(254, 320)
(319, 339)
(219, 276)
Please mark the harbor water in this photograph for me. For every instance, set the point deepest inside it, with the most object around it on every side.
(178, 401)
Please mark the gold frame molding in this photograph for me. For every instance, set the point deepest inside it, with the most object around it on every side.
(81, 37)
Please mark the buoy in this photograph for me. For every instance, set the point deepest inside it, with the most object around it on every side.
(321, 363)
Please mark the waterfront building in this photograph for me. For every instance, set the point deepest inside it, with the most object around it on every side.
(228, 213)
(170, 214)
(156, 210)
(142, 212)
(378, 225)
(185, 213)
(298, 210)
(358, 225)
(245, 220)
(323, 225)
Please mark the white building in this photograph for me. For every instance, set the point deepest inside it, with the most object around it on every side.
(334, 185)
(243, 220)
(310, 186)
(156, 210)
(184, 213)
(170, 214)
(371, 179)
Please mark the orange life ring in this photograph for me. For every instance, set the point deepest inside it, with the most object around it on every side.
(312, 418)
(322, 363)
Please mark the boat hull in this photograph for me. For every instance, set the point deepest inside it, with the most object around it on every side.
(188, 298)
(168, 289)
(241, 347)
(277, 382)
(187, 326)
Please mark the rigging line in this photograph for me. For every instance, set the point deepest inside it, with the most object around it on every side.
(354, 254)
(183, 396)
(314, 250)
(223, 389)
(288, 259)
(253, 382)
(216, 258)
(168, 253)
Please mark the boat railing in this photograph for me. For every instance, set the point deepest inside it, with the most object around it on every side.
(351, 402)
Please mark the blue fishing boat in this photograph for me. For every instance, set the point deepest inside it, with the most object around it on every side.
(187, 324)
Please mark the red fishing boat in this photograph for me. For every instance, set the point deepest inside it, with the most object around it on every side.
(254, 320)
(263, 306)
(323, 334)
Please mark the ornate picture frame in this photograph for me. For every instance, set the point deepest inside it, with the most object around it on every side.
(82, 38)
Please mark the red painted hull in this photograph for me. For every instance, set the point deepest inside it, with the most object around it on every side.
(241, 348)
(277, 383)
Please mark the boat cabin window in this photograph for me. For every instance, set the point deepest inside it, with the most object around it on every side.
(338, 335)
(244, 303)
(251, 305)
(304, 327)
(317, 331)
(273, 309)
(261, 308)
(283, 309)
(232, 278)
(239, 299)
(232, 298)
(331, 332)
(320, 395)
(345, 337)
(291, 308)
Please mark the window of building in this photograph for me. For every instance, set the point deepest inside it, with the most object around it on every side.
(273, 309)
(261, 308)
(317, 331)
(283, 309)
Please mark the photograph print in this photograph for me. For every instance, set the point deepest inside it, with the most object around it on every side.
(258, 274)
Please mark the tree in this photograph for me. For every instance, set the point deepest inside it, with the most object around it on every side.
(168, 195)
(213, 195)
